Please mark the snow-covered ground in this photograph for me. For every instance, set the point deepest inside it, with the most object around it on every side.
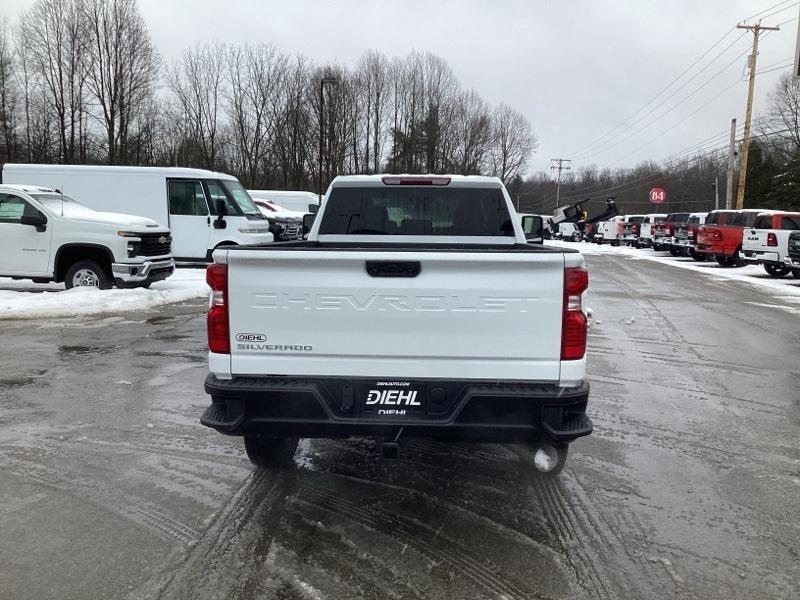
(787, 288)
(26, 300)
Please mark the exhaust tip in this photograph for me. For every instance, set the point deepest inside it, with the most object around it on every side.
(545, 459)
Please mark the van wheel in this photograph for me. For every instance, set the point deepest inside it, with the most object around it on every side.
(776, 271)
(270, 452)
(86, 273)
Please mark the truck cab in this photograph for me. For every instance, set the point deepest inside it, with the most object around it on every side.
(767, 241)
(48, 236)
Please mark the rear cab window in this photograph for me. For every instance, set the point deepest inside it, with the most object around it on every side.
(416, 210)
(790, 222)
(763, 222)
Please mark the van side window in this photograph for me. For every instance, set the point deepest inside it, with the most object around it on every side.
(187, 198)
(13, 207)
(216, 193)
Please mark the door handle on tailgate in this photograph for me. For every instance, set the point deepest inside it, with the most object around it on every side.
(393, 268)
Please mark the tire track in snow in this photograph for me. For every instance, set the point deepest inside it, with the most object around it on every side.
(408, 532)
(122, 503)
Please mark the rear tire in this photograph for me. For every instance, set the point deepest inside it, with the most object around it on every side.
(723, 261)
(87, 273)
(268, 453)
(796, 273)
(697, 256)
(776, 271)
(676, 252)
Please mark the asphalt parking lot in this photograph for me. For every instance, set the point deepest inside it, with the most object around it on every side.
(110, 488)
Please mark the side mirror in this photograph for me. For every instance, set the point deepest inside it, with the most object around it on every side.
(222, 211)
(532, 226)
(38, 220)
(313, 208)
(308, 222)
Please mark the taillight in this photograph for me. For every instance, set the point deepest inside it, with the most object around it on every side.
(574, 325)
(217, 317)
(772, 239)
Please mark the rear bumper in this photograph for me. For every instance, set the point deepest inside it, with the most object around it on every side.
(758, 256)
(715, 249)
(456, 411)
(792, 261)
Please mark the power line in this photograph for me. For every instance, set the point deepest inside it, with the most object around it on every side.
(662, 115)
(596, 148)
(658, 94)
(674, 125)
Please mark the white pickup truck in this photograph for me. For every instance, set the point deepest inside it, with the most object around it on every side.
(767, 242)
(47, 236)
(415, 308)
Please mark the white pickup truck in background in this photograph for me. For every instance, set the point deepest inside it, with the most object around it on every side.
(767, 242)
(47, 236)
(415, 308)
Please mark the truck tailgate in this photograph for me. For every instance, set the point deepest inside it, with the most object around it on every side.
(468, 315)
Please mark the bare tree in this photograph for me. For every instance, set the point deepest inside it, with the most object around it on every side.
(783, 113)
(294, 140)
(474, 134)
(197, 81)
(8, 93)
(123, 69)
(55, 41)
(256, 76)
(512, 143)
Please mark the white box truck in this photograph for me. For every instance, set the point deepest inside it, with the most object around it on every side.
(202, 209)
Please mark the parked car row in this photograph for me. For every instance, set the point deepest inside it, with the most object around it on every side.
(129, 226)
(731, 237)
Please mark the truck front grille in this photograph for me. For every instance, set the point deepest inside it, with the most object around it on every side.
(154, 244)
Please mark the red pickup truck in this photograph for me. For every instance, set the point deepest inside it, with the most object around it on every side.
(721, 236)
(663, 231)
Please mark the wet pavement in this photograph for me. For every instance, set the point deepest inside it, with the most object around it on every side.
(109, 487)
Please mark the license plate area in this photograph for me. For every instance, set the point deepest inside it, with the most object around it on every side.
(392, 398)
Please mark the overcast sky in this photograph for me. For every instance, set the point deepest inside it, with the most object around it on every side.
(575, 68)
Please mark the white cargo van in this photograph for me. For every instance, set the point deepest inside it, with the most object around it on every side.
(203, 209)
(297, 201)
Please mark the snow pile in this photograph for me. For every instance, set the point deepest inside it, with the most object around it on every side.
(788, 287)
(27, 300)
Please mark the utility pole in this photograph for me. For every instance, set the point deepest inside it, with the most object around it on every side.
(729, 173)
(559, 164)
(716, 192)
(751, 63)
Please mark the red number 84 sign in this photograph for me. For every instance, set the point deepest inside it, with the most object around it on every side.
(658, 195)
